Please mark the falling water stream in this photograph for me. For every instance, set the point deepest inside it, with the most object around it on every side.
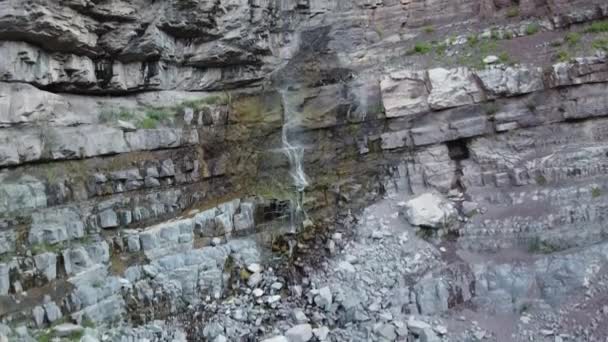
(295, 155)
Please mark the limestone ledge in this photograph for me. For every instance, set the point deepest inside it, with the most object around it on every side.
(440, 105)
(99, 287)
(25, 63)
(86, 141)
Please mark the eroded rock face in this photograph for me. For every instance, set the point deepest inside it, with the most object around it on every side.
(141, 161)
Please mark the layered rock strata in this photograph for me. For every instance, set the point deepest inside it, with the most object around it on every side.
(140, 140)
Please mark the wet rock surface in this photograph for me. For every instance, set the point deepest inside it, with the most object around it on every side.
(453, 156)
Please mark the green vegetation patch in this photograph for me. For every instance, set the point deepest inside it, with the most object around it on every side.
(532, 28)
(538, 246)
(573, 38)
(429, 29)
(598, 27)
(562, 56)
(491, 108)
(513, 12)
(600, 44)
(151, 117)
(422, 48)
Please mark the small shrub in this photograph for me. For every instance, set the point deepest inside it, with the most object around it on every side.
(600, 44)
(512, 12)
(504, 58)
(556, 43)
(159, 114)
(147, 123)
(45, 247)
(598, 27)
(440, 49)
(472, 40)
(488, 47)
(429, 29)
(425, 233)
(51, 175)
(562, 56)
(112, 115)
(525, 307)
(491, 108)
(573, 38)
(541, 180)
(532, 29)
(596, 192)
(88, 322)
(495, 34)
(422, 48)
(507, 35)
(536, 245)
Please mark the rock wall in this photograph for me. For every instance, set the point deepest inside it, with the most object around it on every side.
(139, 140)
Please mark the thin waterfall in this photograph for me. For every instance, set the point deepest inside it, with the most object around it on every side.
(295, 155)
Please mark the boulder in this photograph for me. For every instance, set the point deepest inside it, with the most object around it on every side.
(324, 298)
(510, 81)
(299, 333)
(405, 93)
(452, 88)
(430, 210)
(67, 329)
(46, 263)
(276, 339)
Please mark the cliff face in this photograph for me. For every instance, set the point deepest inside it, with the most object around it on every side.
(142, 146)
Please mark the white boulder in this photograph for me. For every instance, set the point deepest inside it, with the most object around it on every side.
(430, 210)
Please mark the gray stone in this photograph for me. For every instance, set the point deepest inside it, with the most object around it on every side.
(22, 194)
(55, 225)
(490, 59)
(84, 258)
(393, 140)
(452, 88)
(427, 335)
(133, 243)
(430, 210)
(154, 139)
(321, 333)
(108, 219)
(7, 241)
(510, 81)
(254, 279)
(405, 93)
(224, 223)
(204, 223)
(244, 220)
(299, 316)
(84, 141)
(220, 338)
(167, 168)
(126, 126)
(5, 284)
(387, 331)
(213, 330)
(46, 263)
(276, 339)
(254, 268)
(38, 314)
(417, 326)
(151, 182)
(53, 312)
(299, 333)
(324, 298)
(66, 329)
